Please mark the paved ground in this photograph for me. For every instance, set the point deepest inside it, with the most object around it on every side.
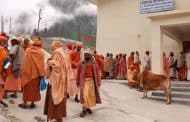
(120, 104)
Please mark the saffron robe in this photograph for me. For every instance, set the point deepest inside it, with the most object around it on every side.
(32, 69)
(3, 55)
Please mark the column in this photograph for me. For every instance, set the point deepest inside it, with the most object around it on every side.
(157, 49)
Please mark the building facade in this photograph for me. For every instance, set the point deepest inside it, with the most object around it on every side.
(123, 29)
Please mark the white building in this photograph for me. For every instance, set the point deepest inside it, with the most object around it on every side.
(122, 28)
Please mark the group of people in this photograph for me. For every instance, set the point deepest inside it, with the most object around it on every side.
(122, 67)
(118, 67)
(70, 72)
(178, 68)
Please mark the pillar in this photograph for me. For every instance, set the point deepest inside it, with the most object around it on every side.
(157, 49)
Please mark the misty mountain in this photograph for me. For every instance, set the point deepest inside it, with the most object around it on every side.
(83, 22)
(67, 6)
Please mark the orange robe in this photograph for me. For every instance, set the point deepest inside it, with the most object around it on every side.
(130, 75)
(58, 75)
(130, 61)
(75, 60)
(3, 55)
(99, 62)
(33, 68)
(166, 65)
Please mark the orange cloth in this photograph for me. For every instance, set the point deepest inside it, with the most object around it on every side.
(37, 42)
(75, 58)
(99, 61)
(31, 91)
(33, 64)
(3, 39)
(166, 65)
(89, 95)
(89, 70)
(3, 54)
(56, 44)
(58, 75)
(1, 92)
(137, 68)
(12, 84)
(25, 46)
(130, 74)
(130, 61)
(72, 86)
(79, 45)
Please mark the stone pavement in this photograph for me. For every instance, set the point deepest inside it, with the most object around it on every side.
(120, 104)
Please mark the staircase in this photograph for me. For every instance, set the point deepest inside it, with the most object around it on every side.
(180, 91)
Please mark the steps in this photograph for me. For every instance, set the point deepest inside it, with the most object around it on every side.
(180, 91)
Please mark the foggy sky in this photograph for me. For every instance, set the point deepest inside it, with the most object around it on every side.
(24, 13)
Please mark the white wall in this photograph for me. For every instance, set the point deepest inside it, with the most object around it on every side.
(121, 28)
(170, 44)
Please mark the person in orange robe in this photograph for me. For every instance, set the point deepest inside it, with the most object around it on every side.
(33, 69)
(13, 81)
(3, 55)
(122, 67)
(130, 73)
(88, 80)
(25, 44)
(76, 58)
(130, 60)
(166, 65)
(99, 62)
(56, 94)
(137, 62)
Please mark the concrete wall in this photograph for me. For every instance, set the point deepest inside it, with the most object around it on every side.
(122, 29)
(170, 44)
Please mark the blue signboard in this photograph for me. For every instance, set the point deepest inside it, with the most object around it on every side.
(151, 6)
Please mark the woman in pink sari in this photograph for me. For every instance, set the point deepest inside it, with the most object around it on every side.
(122, 67)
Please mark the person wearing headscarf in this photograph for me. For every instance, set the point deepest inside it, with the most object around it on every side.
(76, 58)
(13, 80)
(3, 74)
(88, 80)
(57, 70)
(166, 65)
(33, 69)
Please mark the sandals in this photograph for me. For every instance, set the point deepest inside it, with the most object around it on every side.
(23, 106)
(32, 106)
(83, 113)
(89, 111)
(4, 104)
(13, 95)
